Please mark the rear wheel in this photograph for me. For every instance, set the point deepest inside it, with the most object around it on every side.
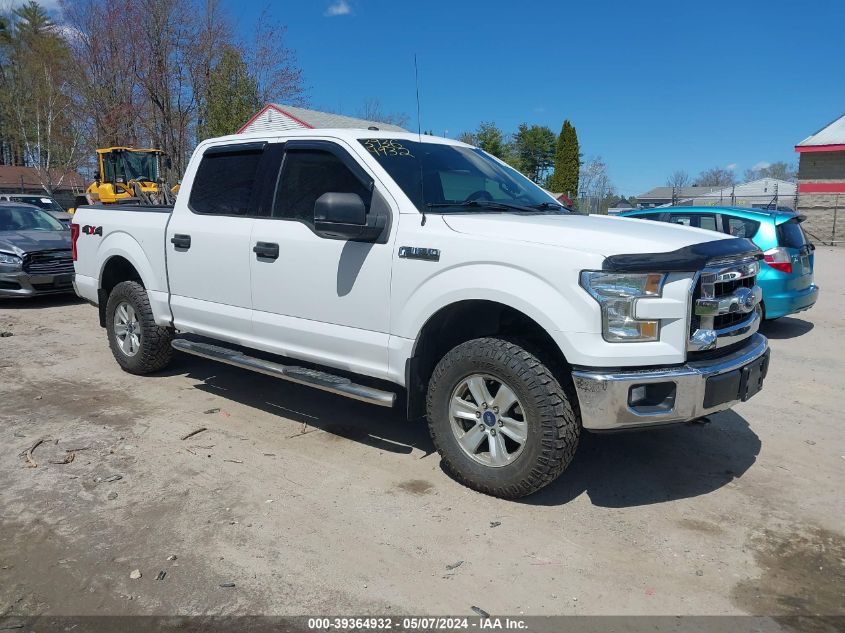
(500, 420)
(137, 343)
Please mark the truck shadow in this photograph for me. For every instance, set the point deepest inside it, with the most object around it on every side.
(785, 327)
(614, 470)
(40, 301)
(378, 427)
(643, 467)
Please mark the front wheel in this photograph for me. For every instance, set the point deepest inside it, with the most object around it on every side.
(137, 343)
(500, 420)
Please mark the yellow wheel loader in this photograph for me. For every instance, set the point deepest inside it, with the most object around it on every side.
(129, 175)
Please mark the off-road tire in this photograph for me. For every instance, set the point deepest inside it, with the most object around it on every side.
(155, 351)
(551, 411)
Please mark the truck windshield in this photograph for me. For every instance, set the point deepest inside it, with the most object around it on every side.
(27, 219)
(454, 179)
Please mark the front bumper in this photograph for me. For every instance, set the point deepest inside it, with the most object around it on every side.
(688, 391)
(22, 284)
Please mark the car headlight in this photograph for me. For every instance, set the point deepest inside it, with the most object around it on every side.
(10, 260)
(617, 294)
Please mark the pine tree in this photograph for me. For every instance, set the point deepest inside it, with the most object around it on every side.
(533, 151)
(232, 96)
(564, 179)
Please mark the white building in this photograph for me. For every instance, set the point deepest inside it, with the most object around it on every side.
(277, 118)
(760, 194)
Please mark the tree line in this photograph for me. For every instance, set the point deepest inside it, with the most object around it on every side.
(155, 73)
(724, 177)
(552, 161)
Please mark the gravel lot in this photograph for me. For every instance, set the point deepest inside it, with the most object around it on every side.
(309, 503)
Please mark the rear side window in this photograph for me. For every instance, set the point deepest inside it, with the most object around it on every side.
(306, 175)
(225, 181)
(740, 227)
(677, 218)
(707, 221)
(791, 235)
(645, 216)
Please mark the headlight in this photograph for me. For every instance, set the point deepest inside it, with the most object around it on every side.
(617, 294)
(10, 260)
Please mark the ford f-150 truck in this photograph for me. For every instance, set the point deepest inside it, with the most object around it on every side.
(376, 265)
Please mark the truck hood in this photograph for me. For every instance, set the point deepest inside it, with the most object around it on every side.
(21, 242)
(600, 234)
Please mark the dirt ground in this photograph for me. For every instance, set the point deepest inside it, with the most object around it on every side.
(294, 501)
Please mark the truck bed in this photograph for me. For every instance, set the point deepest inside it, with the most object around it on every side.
(138, 208)
(135, 233)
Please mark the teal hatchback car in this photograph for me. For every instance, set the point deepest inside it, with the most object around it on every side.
(786, 276)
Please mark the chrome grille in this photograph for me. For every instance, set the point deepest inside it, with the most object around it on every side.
(48, 262)
(725, 304)
(727, 287)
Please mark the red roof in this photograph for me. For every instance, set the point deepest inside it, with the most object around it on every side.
(13, 177)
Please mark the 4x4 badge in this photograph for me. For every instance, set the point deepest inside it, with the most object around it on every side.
(92, 230)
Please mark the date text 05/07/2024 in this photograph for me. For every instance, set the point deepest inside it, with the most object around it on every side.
(484, 622)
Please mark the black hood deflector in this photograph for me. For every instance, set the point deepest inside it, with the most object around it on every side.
(687, 259)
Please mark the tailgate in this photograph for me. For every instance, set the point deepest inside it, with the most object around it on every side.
(792, 238)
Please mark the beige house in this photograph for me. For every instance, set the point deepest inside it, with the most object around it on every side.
(821, 181)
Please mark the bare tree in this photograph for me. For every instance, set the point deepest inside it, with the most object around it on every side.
(372, 111)
(145, 69)
(678, 178)
(716, 177)
(167, 29)
(273, 64)
(467, 137)
(595, 179)
(37, 95)
(213, 35)
(779, 170)
(105, 83)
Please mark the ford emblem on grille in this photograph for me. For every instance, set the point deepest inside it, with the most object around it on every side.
(745, 299)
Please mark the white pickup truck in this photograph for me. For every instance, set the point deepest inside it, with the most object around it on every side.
(375, 265)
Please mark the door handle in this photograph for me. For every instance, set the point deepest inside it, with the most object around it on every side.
(266, 250)
(181, 241)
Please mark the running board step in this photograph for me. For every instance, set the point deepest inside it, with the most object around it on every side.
(300, 375)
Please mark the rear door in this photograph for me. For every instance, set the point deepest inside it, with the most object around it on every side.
(208, 243)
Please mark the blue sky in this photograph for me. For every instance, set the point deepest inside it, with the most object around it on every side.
(651, 86)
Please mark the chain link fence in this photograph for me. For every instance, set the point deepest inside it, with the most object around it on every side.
(822, 211)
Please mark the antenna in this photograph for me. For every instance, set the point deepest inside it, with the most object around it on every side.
(417, 81)
(419, 137)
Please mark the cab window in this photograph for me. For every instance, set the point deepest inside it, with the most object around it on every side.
(225, 181)
(306, 175)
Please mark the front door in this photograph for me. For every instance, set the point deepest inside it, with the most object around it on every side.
(316, 298)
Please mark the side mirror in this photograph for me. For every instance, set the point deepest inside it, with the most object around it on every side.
(343, 216)
(340, 208)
